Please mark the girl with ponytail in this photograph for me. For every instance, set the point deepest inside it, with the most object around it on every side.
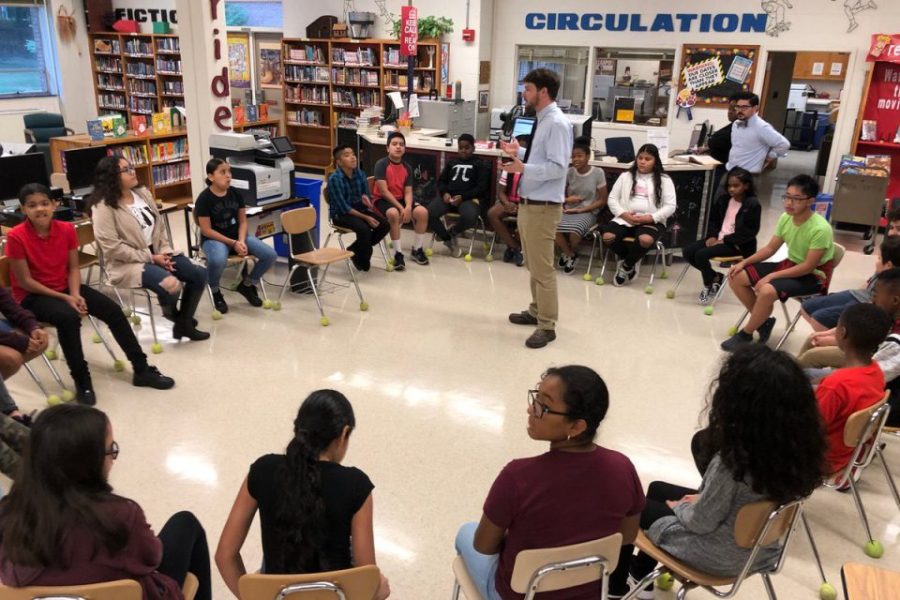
(315, 514)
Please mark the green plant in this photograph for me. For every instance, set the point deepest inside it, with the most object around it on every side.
(429, 27)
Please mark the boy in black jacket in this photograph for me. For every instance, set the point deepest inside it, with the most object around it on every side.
(732, 229)
(462, 187)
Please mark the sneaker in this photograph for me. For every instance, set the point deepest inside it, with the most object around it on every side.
(84, 392)
(714, 290)
(418, 256)
(518, 258)
(399, 262)
(508, 255)
(522, 318)
(621, 277)
(704, 297)
(635, 270)
(562, 261)
(359, 264)
(765, 330)
(540, 338)
(741, 338)
(570, 264)
(219, 302)
(151, 377)
(644, 594)
(452, 247)
(250, 293)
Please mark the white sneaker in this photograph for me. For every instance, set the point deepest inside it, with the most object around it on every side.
(621, 277)
(644, 594)
(704, 297)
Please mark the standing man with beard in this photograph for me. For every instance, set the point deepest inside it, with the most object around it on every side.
(542, 189)
(755, 145)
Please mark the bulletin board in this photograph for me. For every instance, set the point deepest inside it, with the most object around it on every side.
(717, 72)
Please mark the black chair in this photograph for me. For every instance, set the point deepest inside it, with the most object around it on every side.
(40, 127)
(620, 147)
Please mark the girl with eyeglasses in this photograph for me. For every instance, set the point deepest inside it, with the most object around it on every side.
(62, 525)
(576, 492)
(136, 251)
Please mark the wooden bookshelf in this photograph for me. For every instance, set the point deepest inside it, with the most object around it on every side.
(326, 81)
(273, 126)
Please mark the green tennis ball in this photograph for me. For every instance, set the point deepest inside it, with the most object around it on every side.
(827, 592)
(708, 311)
(874, 549)
(665, 582)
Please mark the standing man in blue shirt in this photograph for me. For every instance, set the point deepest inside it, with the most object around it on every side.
(542, 189)
(755, 145)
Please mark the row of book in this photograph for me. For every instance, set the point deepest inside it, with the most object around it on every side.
(142, 69)
(874, 165)
(391, 56)
(307, 74)
(396, 79)
(168, 44)
(106, 46)
(173, 173)
(109, 63)
(136, 155)
(168, 66)
(354, 76)
(172, 102)
(305, 116)
(343, 97)
(249, 113)
(170, 150)
(138, 46)
(108, 80)
(173, 86)
(142, 105)
(359, 56)
(313, 54)
(142, 86)
(115, 101)
(307, 93)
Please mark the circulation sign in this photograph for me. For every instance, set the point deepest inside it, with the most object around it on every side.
(636, 22)
(409, 34)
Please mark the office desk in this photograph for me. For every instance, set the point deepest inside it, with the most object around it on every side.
(862, 582)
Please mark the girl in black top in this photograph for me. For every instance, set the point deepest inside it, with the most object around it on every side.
(315, 514)
(732, 229)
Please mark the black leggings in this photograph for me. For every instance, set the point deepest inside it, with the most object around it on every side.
(639, 566)
(698, 256)
(184, 551)
(632, 252)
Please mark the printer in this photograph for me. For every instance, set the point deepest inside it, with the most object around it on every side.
(260, 169)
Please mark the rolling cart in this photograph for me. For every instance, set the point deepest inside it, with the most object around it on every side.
(859, 199)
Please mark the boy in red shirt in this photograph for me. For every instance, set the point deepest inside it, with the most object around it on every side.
(46, 279)
(858, 385)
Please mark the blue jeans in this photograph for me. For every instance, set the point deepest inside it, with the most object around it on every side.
(482, 568)
(827, 309)
(217, 258)
(192, 276)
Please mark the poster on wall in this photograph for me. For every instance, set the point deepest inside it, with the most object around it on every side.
(239, 60)
(445, 64)
(269, 65)
(884, 47)
(714, 73)
(883, 101)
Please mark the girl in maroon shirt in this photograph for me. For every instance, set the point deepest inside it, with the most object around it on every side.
(62, 525)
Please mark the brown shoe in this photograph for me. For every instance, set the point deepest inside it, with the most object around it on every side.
(540, 338)
(522, 318)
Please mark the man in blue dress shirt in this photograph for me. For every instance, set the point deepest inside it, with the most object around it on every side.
(542, 189)
(755, 145)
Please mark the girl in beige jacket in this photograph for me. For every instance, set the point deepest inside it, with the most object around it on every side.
(129, 232)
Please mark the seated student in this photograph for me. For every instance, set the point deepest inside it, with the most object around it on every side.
(533, 500)
(585, 198)
(743, 459)
(315, 514)
(463, 186)
(642, 200)
(507, 205)
(732, 229)
(393, 198)
(222, 218)
(859, 384)
(807, 269)
(13, 439)
(21, 339)
(46, 279)
(822, 312)
(821, 349)
(129, 232)
(348, 206)
(88, 534)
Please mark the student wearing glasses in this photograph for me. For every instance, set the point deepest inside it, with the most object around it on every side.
(137, 253)
(576, 492)
(755, 145)
(85, 533)
(806, 271)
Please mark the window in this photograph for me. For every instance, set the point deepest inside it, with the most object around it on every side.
(569, 62)
(26, 63)
(645, 75)
(254, 13)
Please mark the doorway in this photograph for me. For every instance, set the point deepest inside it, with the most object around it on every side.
(801, 99)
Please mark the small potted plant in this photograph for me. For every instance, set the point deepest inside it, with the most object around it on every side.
(429, 27)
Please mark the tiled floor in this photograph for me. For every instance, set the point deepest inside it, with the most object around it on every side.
(438, 379)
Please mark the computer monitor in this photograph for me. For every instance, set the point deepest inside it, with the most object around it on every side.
(523, 126)
(80, 166)
(21, 169)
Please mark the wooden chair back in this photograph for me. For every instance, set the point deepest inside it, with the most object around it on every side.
(529, 562)
(123, 589)
(298, 220)
(84, 231)
(751, 520)
(358, 583)
(857, 423)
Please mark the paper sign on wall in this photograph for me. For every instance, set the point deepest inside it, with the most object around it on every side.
(703, 75)
(818, 68)
(409, 32)
(739, 69)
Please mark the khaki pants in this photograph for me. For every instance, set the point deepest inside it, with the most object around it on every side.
(811, 357)
(537, 228)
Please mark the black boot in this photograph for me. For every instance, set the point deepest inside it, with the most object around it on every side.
(185, 326)
(84, 390)
(170, 312)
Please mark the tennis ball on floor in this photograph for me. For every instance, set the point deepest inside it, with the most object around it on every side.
(874, 549)
(429, 251)
(51, 354)
(276, 305)
(68, 395)
(732, 330)
(489, 258)
(708, 311)
(363, 306)
(587, 277)
(664, 275)
(468, 258)
(156, 348)
(389, 267)
(127, 312)
(53, 400)
(599, 281)
(827, 592)
(216, 315)
(648, 289)
(267, 304)
(324, 322)
(665, 582)
(670, 294)
(119, 365)
(136, 319)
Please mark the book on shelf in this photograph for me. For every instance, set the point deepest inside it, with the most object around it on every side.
(136, 155)
(95, 129)
(868, 132)
(119, 127)
(106, 121)
(139, 125)
(106, 46)
(162, 122)
(263, 111)
(252, 113)
(171, 150)
(237, 114)
(172, 173)
(176, 117)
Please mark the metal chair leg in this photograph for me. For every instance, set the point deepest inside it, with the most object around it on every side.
(456, 590)
(684, 272)
(54, 372)
(770, 589)
(815, 549)
(287, 282)
(152, 323)
(323, 319)
(860, 509)
(587, 274)
(791, 324)
(604, 257)
(103, 339)
(37, 380)
(363, 305)
(879, 449)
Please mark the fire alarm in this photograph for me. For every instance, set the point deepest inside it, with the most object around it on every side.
(468, 35)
